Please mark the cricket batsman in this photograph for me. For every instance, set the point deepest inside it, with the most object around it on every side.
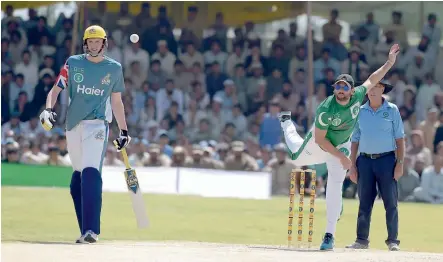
(95, 84)
(329, 140)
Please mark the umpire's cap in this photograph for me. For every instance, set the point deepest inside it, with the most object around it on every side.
(347, 79)
(388, 87)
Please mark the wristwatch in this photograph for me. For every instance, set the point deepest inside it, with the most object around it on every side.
(400, 161)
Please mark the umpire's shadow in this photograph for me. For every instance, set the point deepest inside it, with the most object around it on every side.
(294, 249)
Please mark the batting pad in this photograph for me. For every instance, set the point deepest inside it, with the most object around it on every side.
(91, 199)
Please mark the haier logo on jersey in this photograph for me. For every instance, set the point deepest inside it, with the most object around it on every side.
(89, 91)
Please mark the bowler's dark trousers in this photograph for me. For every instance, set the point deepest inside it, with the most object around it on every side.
(377, 171)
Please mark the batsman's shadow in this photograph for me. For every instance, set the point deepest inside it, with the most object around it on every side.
(39, 242)
(293, 249)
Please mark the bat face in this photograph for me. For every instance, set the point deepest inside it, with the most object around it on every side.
(131, 180)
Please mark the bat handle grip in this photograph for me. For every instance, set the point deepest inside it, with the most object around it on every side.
(125, 158)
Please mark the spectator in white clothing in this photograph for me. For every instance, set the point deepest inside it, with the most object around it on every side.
(33, 128)
(381, 49)
(132, 53)
(315, 101)
(28, 69)
(113, 51)
(193, 114)
(35, 156)
(182, 79)
(216, 55)
(416, 70)
(237, 57)
(353, 65)
(136, 74)
(433, 31)
(166, 58)
(17, 46)
(191, 56)
(18, 128)
(372, 27)
(424, 49)
(18, 86)
(425, 96)
(198, 95)
(165, 96)
(239, 120)
(431, 187)
(397, 93)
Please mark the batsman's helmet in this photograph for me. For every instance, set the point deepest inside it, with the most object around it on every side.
(95, 31)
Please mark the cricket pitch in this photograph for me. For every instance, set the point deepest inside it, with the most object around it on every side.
(111, 251)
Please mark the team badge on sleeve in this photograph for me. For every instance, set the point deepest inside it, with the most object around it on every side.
(62, 80)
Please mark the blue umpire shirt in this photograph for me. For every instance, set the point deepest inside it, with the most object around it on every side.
(376, 131)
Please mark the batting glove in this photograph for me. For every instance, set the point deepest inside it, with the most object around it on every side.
(47, 119)
(122, 141)
(283, 116)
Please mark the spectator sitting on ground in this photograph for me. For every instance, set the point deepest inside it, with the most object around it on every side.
(429, 126)
(239, 160)
(408, 182)
(417, 150)
(431, 187)
(12, 154)
(54, 158)
(280, 166)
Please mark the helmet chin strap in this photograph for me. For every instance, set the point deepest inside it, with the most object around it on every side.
(99, 53)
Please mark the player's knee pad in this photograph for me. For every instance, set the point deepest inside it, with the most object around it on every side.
(76, 182)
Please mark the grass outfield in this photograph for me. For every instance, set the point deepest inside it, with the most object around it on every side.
(37, 214)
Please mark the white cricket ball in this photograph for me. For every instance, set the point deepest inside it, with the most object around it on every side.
(134, 38)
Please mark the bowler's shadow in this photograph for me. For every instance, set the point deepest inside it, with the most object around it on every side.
(39, 242)
(294, 249)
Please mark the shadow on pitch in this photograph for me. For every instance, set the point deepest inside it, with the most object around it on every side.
(294, 249)
(40, 242)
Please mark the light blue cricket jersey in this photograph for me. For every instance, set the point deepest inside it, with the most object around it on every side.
(90, 86)
(377, 131)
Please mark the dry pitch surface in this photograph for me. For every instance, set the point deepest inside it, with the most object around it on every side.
(193, 252)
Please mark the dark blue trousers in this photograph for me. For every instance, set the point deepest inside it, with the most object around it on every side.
(373, 173)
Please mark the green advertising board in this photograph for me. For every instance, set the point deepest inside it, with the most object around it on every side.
(33, 175)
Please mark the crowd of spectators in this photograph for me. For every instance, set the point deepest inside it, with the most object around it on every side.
(189, 102)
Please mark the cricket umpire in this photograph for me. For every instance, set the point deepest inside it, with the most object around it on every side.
(379, 138)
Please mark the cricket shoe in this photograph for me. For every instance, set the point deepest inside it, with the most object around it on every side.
(88, 238)
(328, 242)
(393, 247)
(357, 245)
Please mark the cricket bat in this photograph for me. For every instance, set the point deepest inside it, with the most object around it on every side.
(138, 205)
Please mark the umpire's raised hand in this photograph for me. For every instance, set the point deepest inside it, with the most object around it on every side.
(47, 119)
(122, 141)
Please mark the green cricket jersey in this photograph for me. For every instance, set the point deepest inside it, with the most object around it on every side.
(339, 120)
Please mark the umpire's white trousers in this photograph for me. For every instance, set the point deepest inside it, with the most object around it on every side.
(307, 152)
(87, 143)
